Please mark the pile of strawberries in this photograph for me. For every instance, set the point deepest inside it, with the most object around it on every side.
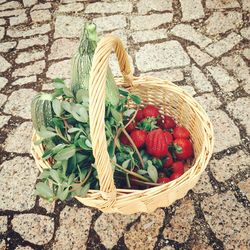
(162, 138)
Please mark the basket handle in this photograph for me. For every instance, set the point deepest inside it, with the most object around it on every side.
(97, 94)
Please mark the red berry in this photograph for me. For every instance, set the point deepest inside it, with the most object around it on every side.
(139, 115)
(163, 180)
(178, 167)
(175, 176)
(151, 111)
(124, 140)
(181, 132)
(160, 124)
(168, 122)
(169, 161)
(184, 148)
(168, 137)
(130, 127)
(138, 137)
(156, 144)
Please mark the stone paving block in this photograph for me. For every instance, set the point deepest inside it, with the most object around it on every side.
(229, 166)
(200, 57)
(228, 219)
(151, 21)
(187, 32)
(73, 7)
(4, 120)
(180, 224)
(241, 111)
(8, 13)
(28, 3)
(60, 69)
(35, 228)
(191, 10)
(2, 21)
(221, 76)
(3, 99)
(26, 43)
(190, 90)
(3, 82)
(245, 5)
(143, 234)
(209, 101)
(32, 69)
(226, 132)
(7, 46)
(122, 35)
(200, 81)
(110, 227)
(151, 57)
(224, 45)
(149, 35)
(24, 80)
(103, 7)
(19, 102)
(246, 53)
(4, 64)
(245, 32)
(3, 224)
(203, 185)
(10, 5)
(12, 143)
(17, 180)
(221, 4)
(2, 32)
(245, 187)
(220, 22)
(49, 206)
(109, 23)
(23, 248)
(40, 15)
(160, 5)
(20, 19)
(41, 6)
(74, 229)
(31, 56)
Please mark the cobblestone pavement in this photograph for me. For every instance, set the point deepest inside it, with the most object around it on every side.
(201, 45)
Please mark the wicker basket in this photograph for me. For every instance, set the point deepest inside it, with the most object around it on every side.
(172, 100)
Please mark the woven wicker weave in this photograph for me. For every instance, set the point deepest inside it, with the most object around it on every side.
(172, 100)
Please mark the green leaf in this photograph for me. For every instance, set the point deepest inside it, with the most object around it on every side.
(58, 80)
(65, 153)
(45, 134)
(67, 92)
(79, 112)
(62, 194)
(71, 179)
(82, 96)
(73, 130)
(56, 104)
(58, 147)
(81, 157)
(116, 115)
(55, 176)
(126, 163)
(129, 112)
(142, 171)
(152, 172)
(82, 143)
(135, 98)
(44, 190)
(44, 175)
(82, 191)
(123, 92)
(178, 149)
(47, 154)
(66, 106)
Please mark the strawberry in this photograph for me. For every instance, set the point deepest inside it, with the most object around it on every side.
(175, 176)
(178, 167)
(130, 127)
(168, 137)
(163, 180)
(156, 144)
(124, 140)
(151, 111)
(183, 148)
(138, 137)
(139, 115)
(168, 122)
(181, 132)
(169, 161)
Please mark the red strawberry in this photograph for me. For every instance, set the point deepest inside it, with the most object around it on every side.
(168, 122)
(175, 176)
(124, 140)
(151, 111)
(138, 137)
(139, 115)
(163, 180)
(181, 132)
(156, 144)
(178, 167)
(130, 127)
(168, 137)
(184, 148)
(160, 124)
(169, 161)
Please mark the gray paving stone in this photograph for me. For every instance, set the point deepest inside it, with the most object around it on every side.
(2, 32)
(224, 45)
(226, 132)
(17, 179)
(203, 185)
(151, 57)
(104, 7)
(40, 16)
(240, 110)
(151, 21)
(4, 120)
(180, 224)
(8, 13)
(24, 80)
(20, 19)
(42, 227)
(143, 234)
(3, 224)
(25, 57)
(200, 81)
(229, 166)
(28, 3)
(110, 227)
(19, 102)
(49, 206)
(3, 99)
(74, 228)
(245, 32)
(3, 82)
(190, 90)
(68, 26)
(71, 7)
(245, 5)
(10, 5)
(246, 53)
(149, 35)
(12, 142)
(221, 212)
(2, 21)
(200, 57)
(26, 43)
(60, 69)
(187, 32)
(23, 248)
(41, 6)
(221, 76)
(245, 187)
(144, 7)
(191, 10)
(221, 4)
(4, 64)
(7, 46)
(220, 22)
(209, 101)
(122, 35)
(32, 69)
